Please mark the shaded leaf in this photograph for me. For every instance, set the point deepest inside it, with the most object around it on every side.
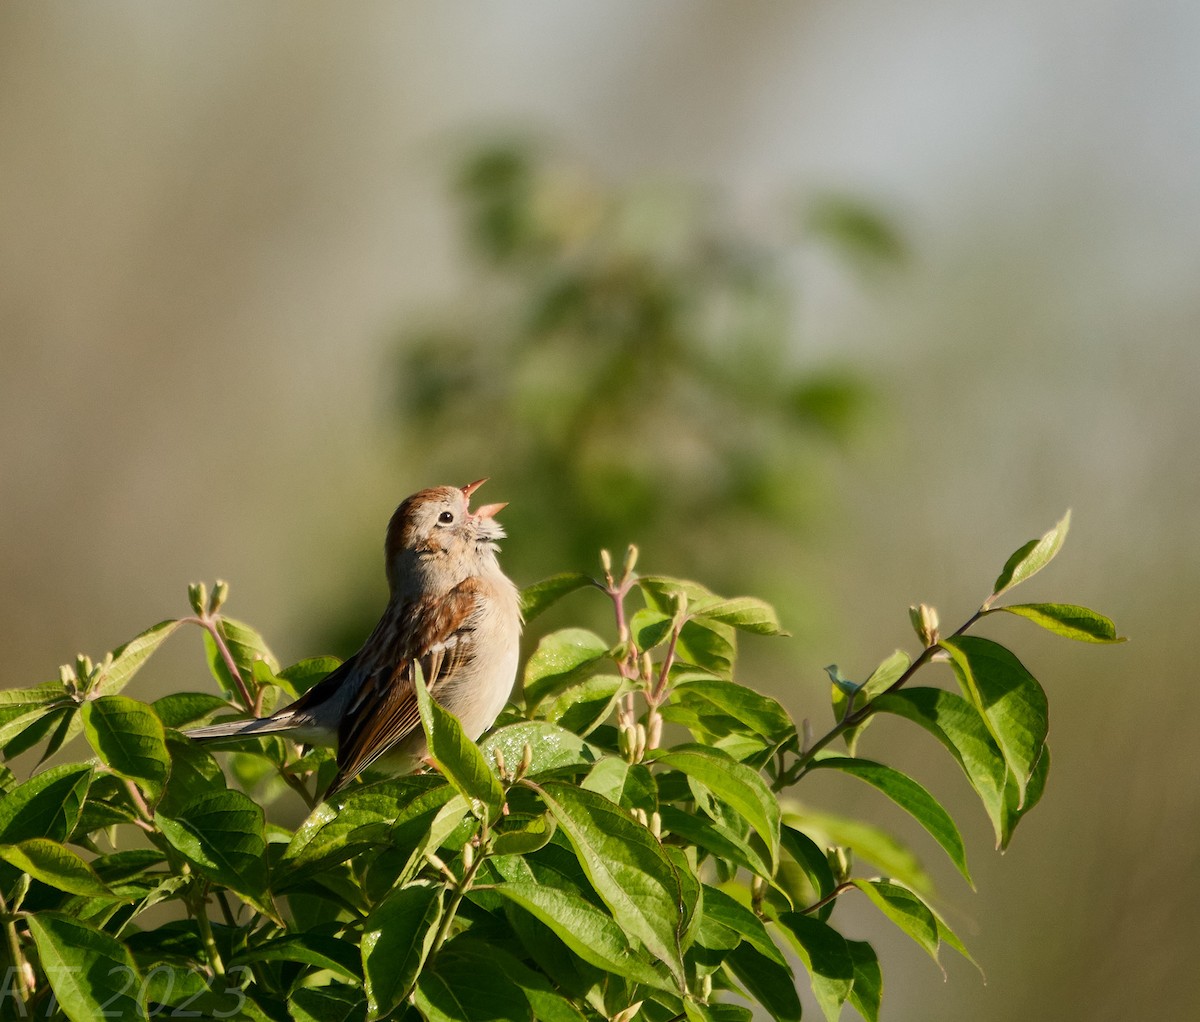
(245, 645)
(1014, 809)
(92, 975)
(304, 674)
(697, 1012)
(881, 679)
(542, 595)
(47, 805)
(825, 955)
(910, 796)
(1066, 619)
(318, 950)
(462, 984)
(867, 991)
(396, 939)
(710, 836)
(180, 708)
(523, 835)
(581, 706)
(129, 739)
(628, 784)
(762, 714)
(770, 983)
(708, 645)
(867, 841)
(720, 908)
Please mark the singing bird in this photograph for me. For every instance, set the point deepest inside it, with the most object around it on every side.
(451, 610)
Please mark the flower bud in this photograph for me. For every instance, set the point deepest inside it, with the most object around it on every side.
(606, 564)
(627, 1014)
(198, 597)
(839, 862)
(656, 825)
(925, 623)
(468, 855)
(219, 595)
(526, 760)
(639, 744)
(631, 559)
(498, 756)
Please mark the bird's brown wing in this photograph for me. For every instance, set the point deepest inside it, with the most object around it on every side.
(437, 633)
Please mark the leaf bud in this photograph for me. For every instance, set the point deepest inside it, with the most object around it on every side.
(526, 760)
(83, 666)
(498, 756)
(839, 863)
(631, 559)
(66, 674)
(606, 564)
(198, 597)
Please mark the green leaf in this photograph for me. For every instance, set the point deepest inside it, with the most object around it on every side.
(958, 726)
(180, 708)
(744, 613)
(396, 940)
(867, 991)
(710, 836)
(697, 1012)
(22, 708)
(127, 660)
(771, 984)
(1010, 699)
(221, 835)
(1013, 809)
(813, 863)
(245, 646)
(881, 679)
(561, 659)
(734, 783)
(709, 645)
(334, 1002)
(523, 835)
(554, 748)
(906, 910)
(457, 757)
(465, 984)
(650, 628)
(627, 867)
(364, 820)
(865, 840)
(1066, 619)
(580, 707)
(56, 865)
(92, 975)
(587, 931)
(762, 714)
(628, 784)
(542, 595)
(910, 796)
(724, 910)
(825, 955)
(129, 739)
(47, 805)
(318, 950)
(1032, 557)
(304, 674)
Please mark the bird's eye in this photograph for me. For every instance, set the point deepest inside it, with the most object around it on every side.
(446, 517)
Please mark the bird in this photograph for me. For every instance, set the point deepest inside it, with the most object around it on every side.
(451, 611)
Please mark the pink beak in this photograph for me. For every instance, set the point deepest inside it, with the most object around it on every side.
(488, 510)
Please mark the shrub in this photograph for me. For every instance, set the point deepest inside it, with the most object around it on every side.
(616, 847)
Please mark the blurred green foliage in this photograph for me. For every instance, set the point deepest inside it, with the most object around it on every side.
(624, 363)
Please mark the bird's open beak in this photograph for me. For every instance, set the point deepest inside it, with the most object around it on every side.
(472, 487)
(488, 510)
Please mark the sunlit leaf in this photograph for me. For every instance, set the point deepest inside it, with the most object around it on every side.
(764, 715)
(561, 659)
(47, 805)
(554, 748)
(128, 659)
(734, 783)
(1066, 619)
(958, 726)
(744, 613)
(626, 866)
(906, 910)
(581, 706)
(128, 737)
(56, 865)
(457, 757)
(1032, 557)
(1010, 699)
(1014, 810)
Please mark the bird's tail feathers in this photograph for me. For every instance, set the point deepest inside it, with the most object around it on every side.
(241, 728)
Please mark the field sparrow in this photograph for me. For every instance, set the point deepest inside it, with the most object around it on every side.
(452, 610)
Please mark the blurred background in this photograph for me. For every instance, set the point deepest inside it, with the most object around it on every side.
(832, 303)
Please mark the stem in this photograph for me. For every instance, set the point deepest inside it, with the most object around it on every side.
(805, 758)
(211, 624)
(200, 910)
(841, 889)
(16, 956)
